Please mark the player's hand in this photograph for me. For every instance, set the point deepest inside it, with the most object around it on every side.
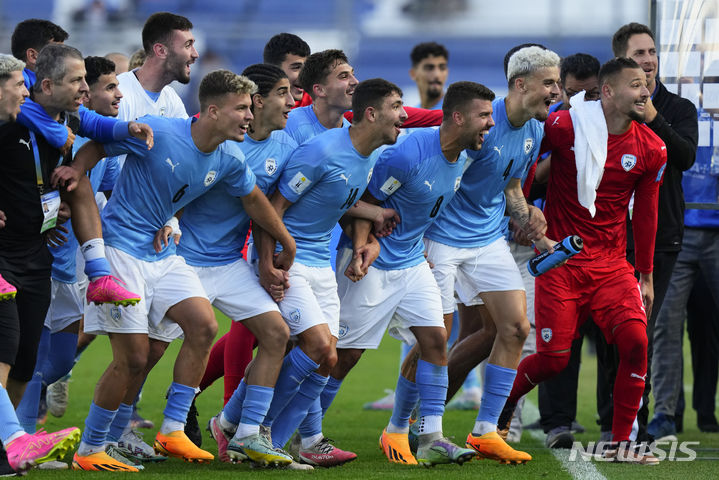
(646, 286)
(3, 219)
(385, 221)
(426, 257)
(284, 259)
(367, 253)
(354, 268)
(650, 113)
(66, 176)
(68, 143)
(162, 238)
(142, 131)
(63, 213)
(274, 280)
(518, 235)
(55, 237)
(545, 244)
(536, 224)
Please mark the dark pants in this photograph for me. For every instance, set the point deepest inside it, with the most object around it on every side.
(703, 329)
(21, 321)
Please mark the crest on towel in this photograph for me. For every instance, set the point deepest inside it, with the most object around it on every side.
(628, 162)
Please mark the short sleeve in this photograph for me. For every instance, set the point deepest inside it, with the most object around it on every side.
(240, 180)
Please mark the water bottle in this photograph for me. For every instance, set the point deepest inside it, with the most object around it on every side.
(563, 250)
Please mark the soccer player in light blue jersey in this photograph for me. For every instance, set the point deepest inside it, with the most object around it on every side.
(191, 156)
(417, 178)
(214, 228)
(469, 250)
(329, 79)
(324, 178)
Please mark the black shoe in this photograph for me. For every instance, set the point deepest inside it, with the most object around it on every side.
(192, 427)
(5, 468)
(679, 423)
(707, 423)
(560, 437)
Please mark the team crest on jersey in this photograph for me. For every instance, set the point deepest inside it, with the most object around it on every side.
(344, 328)
(115, 313)
(546, 334)
(210, 177)
(162, 111)
(528, 144)
(369, 175)
(270, 166)
(457, 183)
(299, 183)
(390, 186)
(295, 315)
(628, 161)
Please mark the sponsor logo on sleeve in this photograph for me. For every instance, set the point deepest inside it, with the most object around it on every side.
(660, 173)
(299, 183)
(390, 186)
(457, 183)
(369, 175)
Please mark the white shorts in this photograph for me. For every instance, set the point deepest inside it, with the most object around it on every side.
(235, 290)
(471, 271)
(161, 285)
(66, 306)
(392, 300)
(522, 255)
(311, 299)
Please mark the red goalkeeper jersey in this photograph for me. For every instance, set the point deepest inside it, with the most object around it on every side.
(635, 165)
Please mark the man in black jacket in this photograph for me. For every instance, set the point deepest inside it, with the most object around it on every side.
(674, 120)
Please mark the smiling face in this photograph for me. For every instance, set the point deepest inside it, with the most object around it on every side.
(627, 91)
(104, 96)
(276, 105)
(430, 75)
(233, 116)
(477, 121)
(339, 85)
(539, 90)
(292, 65)
(641, 49)
(390, 117)
(12, 95)
(181, 54)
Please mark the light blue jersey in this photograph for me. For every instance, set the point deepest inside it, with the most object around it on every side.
(102, 178)
(416, 180)
(475, 217)
(214, 226)
(303, 124)
(324, 177)
(157, 183)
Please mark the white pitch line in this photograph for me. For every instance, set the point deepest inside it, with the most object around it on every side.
(579, 469)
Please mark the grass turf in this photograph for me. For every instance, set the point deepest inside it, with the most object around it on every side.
(358, 430)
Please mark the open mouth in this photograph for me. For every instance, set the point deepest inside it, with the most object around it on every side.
(286, 114)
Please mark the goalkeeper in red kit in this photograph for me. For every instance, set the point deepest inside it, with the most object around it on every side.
(589, 195)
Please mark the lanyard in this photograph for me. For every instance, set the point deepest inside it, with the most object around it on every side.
(38, 166)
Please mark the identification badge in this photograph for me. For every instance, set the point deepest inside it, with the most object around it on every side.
(50, 202)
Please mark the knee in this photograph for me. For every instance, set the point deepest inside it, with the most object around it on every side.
(516, 330)
(319, 349)
(275, 338)
(133, 363)
(204, 331)
(554, 362)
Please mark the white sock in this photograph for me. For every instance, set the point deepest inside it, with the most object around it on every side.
(310, 441)
(86, 449)
(226, 424)
(392, 428)
(169, 425)
(482, 427)
(93, 248)
(245, 430)
(430, 424)
(15, 435)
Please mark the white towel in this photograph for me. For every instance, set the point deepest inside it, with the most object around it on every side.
(590, 147)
